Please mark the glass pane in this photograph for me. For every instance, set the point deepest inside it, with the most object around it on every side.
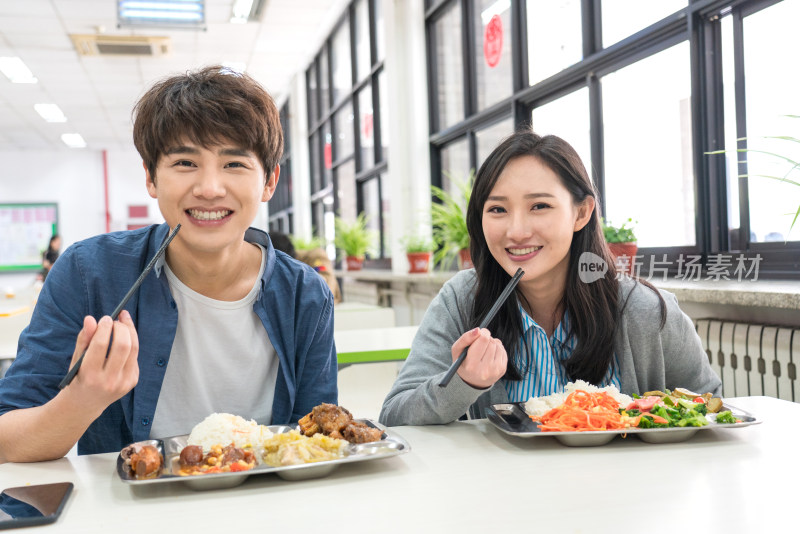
(380, 34)
(313, 95)
(554, 37)
(325, 104)
(365, 125)
(340, 62)
(568, 118)
(346, 190)
(363, 61)
(455, 164)
(327, 154)
(372, 207)
(648, 147)
(316, 163)
(285, 127)
(771, 95)
(622, 18)
(384, 116)
(343, 126)
(492, 59)
(488, 138)
(449, 67)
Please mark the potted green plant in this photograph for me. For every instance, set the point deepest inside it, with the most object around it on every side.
(622, 243)
(450, 224)
(354, 239)
(419, 251)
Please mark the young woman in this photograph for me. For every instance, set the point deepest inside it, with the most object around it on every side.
(534, 207)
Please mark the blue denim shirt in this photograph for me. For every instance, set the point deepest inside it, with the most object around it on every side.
(91, 277)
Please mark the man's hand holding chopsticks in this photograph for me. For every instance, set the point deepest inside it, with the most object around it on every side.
(103, 380)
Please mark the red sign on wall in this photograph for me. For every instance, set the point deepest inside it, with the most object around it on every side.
(493, 41)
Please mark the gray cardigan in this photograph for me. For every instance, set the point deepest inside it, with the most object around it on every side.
(649, 358)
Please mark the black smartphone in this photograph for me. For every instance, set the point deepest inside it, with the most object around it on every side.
(26, 506)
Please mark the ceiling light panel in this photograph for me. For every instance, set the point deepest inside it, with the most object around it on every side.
(162, 13)
(73, 140)
(16, 70)
(50, 112)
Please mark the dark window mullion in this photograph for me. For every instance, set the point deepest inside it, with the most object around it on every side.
(467, 47)
(433, 76)
(741, 128)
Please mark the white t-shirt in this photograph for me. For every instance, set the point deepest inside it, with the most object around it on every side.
(221, 361)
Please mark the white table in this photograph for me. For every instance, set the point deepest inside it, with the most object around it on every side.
(468, 477)
(374, 344)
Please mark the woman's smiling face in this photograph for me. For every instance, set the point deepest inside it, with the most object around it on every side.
(529, 219)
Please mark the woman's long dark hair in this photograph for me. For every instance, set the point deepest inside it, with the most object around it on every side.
(593, 307)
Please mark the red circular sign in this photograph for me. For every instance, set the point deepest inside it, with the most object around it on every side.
(493, 41)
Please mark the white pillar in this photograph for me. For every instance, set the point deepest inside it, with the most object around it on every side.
(408, 176)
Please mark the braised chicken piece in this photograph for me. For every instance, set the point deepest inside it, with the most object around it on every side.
(145, 461)
(328, 419)
(357, 432)
(337, 422)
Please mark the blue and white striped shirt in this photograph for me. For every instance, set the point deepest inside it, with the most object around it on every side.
(543, 360)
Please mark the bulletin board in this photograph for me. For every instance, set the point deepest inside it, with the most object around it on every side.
(25, 232)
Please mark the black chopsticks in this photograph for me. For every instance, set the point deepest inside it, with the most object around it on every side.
(486, 320)
(74, 371)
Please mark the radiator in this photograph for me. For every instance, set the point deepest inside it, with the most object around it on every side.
(752, 359)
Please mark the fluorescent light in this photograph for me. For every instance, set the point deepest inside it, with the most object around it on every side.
(50, 112)
(185, 13)
(495, 9)
(16, 71)
(73, 140)
(241, 11)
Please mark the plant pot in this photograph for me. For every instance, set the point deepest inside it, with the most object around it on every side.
(624, 256)
(354, 263)
(464, 259)
(419, 262)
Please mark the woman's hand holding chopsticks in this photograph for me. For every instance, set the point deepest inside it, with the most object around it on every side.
(486, 358)
(105, 379)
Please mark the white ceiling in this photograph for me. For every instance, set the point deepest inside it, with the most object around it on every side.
(97, 93)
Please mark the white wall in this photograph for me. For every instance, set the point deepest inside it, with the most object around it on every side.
(74, 180)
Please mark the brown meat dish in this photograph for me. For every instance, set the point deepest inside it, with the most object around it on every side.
(144, 460)
(357, 432)
(337, 422)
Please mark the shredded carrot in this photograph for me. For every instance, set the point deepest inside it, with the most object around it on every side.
(584, 411)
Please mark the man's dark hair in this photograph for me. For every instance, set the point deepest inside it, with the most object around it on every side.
(207, 107)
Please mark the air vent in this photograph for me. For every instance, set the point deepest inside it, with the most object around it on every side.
(121, 45)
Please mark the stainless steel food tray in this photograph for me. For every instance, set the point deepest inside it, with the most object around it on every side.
(391, 444)
(512, 419)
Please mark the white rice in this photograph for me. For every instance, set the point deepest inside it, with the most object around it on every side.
(224, 429)
(538, 406)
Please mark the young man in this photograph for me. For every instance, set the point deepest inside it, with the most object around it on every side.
(223, 323)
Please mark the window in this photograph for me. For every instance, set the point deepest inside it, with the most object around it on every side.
(568, 118)
(648, 145)
(554, 37)
(644, 91)
(348, 139)
(492, 51)
(770, 95)
(622, 18)
(280, 206)
(449, 66)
